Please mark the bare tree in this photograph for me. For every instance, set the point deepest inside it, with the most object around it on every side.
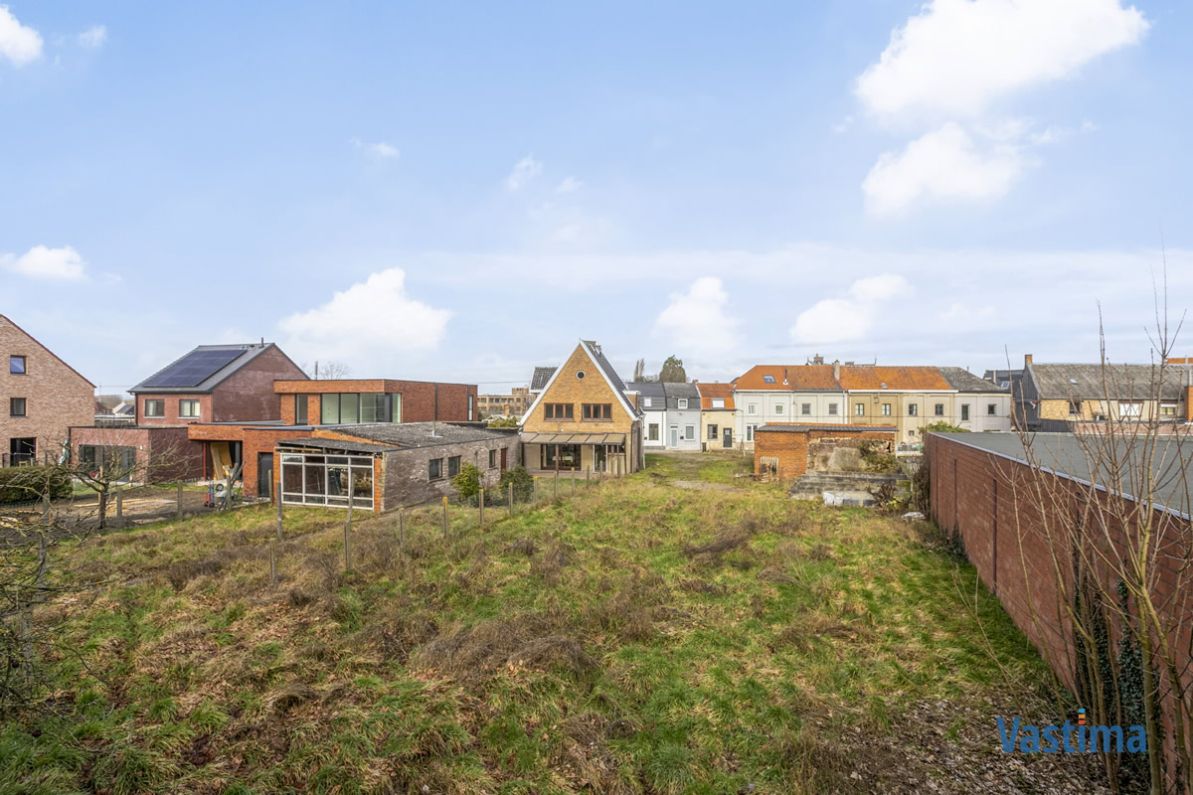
(329, 370)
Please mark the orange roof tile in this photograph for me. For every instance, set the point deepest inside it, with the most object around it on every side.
(710, 391)
(901, 378)
(789, 378)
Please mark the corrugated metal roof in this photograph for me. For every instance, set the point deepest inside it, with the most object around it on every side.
(1116, 381)
(538, 381)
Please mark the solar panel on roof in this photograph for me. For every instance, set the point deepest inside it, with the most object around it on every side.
(193, 369)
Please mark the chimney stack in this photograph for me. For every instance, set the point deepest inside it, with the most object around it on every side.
(1026, 359)
(837, 370)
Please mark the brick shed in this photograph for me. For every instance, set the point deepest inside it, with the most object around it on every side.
(789, 451)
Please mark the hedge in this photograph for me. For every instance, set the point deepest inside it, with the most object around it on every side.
(23, 484)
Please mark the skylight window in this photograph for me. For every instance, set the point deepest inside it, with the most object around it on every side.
(769, 379)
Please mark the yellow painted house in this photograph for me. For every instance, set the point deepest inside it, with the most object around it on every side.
(583, 420)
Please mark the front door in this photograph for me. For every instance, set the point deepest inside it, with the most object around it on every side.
(727, 438)
(673, 436)
(600, 457)
(504, 458)
(264, 474)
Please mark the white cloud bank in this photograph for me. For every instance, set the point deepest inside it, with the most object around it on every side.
(958, 60)
(378, 149)
(958, 57)
(941, 165)
(43, 262)
(367, 324)
(850, 318)
(696, 320)
(525, 171)
(19, 43)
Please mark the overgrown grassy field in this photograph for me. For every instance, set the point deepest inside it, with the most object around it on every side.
(632, 637)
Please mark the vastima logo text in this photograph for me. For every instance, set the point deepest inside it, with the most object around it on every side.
(1070, 737)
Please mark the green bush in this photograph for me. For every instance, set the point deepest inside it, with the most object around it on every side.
(943, 427)
(28, 483)
(522, 481)
(467, 482)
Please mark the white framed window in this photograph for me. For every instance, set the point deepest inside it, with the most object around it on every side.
(965, 412)
(752, 408)
(689, 432)
(750, 433)
(188, 408)
(833, 408)
(1130, 408)
(912, 410)
(647, 402)
(683, 403)
(805, 409)
(886, 409)
(718, 403)
(859, 409)
(992, 409)
(778, 408)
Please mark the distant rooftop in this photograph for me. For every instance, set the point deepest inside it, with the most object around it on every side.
(202, 369)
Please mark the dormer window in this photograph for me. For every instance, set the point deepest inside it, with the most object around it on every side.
(683, 403)
(768, 379)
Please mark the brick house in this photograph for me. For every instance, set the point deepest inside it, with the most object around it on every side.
(41, 397)
(790, 450)
(301, 406)
(383, 466)
(212, 383)
(583, 420)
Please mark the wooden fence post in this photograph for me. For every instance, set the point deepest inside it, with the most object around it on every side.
(511, 498)
(273, 564)
(445, 531)
(555, 483)
(120, 509)
(278, 497)
(347, 539)
(481, 506)
(178, 499)
(401, 532)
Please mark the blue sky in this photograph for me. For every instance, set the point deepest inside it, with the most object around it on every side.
(461, 191)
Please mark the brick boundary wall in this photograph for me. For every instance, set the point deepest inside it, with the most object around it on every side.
(1009, 531)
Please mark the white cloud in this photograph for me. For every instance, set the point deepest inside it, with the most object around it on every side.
(42, 262)
(377, 149)
(851, 318)
(524, 171)
(19, 43)
(569, 185)
(367, 324)
(94, 37)
(959, 57)
(941, 165)
(697, 321)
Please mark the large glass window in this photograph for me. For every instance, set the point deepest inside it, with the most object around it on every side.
(114, 462)
(453, 466)
(349, 408)
(300, 409)
(155, 408)
(333, 480)
(330, 409)
(346, 408)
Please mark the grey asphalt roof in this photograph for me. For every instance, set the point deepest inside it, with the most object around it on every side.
(542, 375)
(202, 369)
(964, 381)
(1122, 381)
(1073, 456)
(677, 390)
(651, 389)
(408, 435)
(336, 444)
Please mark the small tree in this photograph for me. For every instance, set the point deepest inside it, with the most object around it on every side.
(467, 482)
(673, 372)
(523, 483)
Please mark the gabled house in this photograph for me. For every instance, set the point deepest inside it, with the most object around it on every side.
(583, 420)
(1062, 397)
(779, 393)
(908, 397)
(41, 397)
(978, 404)
(683, 416)
(718, 415)
(213, 384)
(652, 404)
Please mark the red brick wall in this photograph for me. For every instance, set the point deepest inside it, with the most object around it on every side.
(791, 447)
(248, 394)
(172, 403)
(422, 401)
(56, 396)
(163, 453)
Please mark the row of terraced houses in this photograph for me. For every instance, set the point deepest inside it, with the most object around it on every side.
(248, 411)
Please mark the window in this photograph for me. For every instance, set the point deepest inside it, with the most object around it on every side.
(597, 411)
(859, 409)
(965, 412)
(300, 409)
(683, 403)
(768, 379)
(805, 409)
(22, 451)
(778, 408)
(471, 407)
(453, 466)
(991, 409)
(1130, 408)
(492, 459)
(330, 409)
(752, 408)
(188, 408)
(332, 480)
(155, 408)
(646, 402)
(1074, 408)
(832, 408)
(718, 403)
(652, 432)
(435, 469)
(559, 411)
(580, 374)
(16, 365)
(689, 431)
(16, 407)
(938, 409)
(1166, 409)
(117, 463)
(750, 433)
(712, 433)
(886, 409)
(913, 409)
